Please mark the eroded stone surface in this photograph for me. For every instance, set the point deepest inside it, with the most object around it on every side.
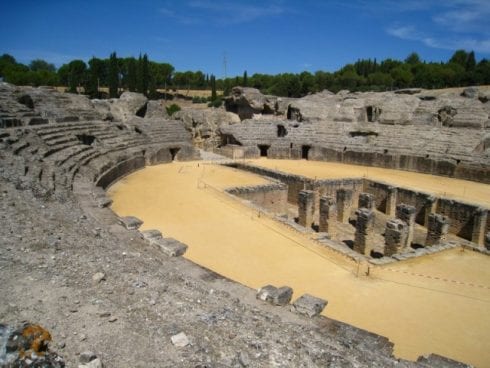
(130, 222)
(309, 305)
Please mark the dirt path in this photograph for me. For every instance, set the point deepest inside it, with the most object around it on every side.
(418, 313)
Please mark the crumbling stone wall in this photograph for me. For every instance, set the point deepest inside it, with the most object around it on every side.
(272, 197)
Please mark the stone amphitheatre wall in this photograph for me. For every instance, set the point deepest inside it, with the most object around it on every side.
(100, 145)
(52, 143)
(444, 133)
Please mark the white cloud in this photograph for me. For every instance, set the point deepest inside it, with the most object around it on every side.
(404, 32)
(222, 12)
(452, 25)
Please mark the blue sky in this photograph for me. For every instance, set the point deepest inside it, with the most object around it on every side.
(269, 36)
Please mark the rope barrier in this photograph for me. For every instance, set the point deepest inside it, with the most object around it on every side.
(437, 278)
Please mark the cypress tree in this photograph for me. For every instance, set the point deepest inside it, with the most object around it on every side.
(245, 79)
(113, 76)
(143, 74)
(132, 75)
(213, 88)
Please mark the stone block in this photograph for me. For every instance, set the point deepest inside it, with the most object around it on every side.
(366, 200)
(130, 222)
(306, 209)
(309, 305)
(151, 235)
(103, 201)
(328, 211)
(438, 361)
(407, 214)
(170, 246)
(479, 226)
(396, 232)
(275, 296)
(437, 229)
(344, 205)
(364, 236)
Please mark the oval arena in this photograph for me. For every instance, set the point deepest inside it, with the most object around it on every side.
(375, 204)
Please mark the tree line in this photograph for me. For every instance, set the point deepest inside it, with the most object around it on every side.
(146, 76)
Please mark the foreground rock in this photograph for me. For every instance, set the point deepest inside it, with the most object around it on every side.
(27, 345)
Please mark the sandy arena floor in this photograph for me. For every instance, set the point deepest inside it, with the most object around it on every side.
(419, 313)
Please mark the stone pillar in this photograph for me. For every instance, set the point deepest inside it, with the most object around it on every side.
(479, 226)
(366, 200)
(395, 236)
(306, 201)
(327, 214)
(344, 205)
(487, 241)
(430, 207)
(437, 229)
(391, 201)
(407, 213)
(364, 238)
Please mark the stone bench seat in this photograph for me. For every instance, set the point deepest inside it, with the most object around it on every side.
(61, 156)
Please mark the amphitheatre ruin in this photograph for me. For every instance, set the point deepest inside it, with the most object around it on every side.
(347, 229)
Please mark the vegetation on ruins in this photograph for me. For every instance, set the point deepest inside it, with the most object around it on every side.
(148, 77)
(172, 109)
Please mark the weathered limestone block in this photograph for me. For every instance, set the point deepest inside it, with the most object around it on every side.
(438, 361)
(130, 222)
(328, 214)
(430, 207)
(366, 200)
(249, 101)
(364, 237)
(479, 226)
(306, 209)
(170, 246)
(344, 205)
(275, 296)
(396, 233)
(487, 241)
(309, 305)
(407, 214)
(437, 229)
(391, 201)
(151, 235)
(103, 201)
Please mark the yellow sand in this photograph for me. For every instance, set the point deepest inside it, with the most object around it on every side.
(464, 190)
(419, 314)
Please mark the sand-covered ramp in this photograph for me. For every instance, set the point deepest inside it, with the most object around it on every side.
(437, 303)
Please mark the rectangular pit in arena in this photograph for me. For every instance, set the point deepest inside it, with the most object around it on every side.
(467, 223)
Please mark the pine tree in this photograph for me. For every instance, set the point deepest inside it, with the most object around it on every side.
(96, 69)
(113, 76)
